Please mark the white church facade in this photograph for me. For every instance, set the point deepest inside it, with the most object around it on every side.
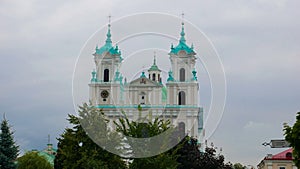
(147, 96)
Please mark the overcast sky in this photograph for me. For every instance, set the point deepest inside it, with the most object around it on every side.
(257, 41)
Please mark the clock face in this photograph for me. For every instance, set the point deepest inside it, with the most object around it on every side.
(104, 94)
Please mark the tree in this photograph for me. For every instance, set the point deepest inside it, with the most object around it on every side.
(292, 135)
(32, 160)
(77, 150)
(238, 166)
(8, 148)
(188, 153)
(185, 155)
(142, 129)
(189, 156)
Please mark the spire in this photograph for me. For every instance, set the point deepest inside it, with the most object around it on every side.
(108, 41)
(108, 37)
(108, 47)
(154, 58)
(182, 46)
(154, 67)
(182, 38)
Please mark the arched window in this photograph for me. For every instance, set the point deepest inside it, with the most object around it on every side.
(181, 98)
(181, 128)
(106, 75)
(153, 76)
(289, 155)
(142, 97)
(182, 75)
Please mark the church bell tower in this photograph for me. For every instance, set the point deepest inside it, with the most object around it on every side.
(182, 83)
(106, 82)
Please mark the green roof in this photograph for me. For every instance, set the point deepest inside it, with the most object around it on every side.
(49, 157)
(182, 46)
(108, 47)
(154, 67)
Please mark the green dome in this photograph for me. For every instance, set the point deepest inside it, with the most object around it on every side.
(49, 157)
(154, 67)
(182, 45)
(108, 47)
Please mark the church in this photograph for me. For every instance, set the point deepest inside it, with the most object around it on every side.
(146, 96)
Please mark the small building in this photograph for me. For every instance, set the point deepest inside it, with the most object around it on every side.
(48, 153)
(282, 160)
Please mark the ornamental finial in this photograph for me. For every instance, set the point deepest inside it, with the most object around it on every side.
(182, 38)
(182, 17)
(109, 19)
(154, 60)
(108, 35)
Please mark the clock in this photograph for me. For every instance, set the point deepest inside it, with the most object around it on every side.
(104, 94)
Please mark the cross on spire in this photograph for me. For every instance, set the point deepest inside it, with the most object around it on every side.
(154, 61)
(109, 19)
(182, 38)
(182, 17)
(108, 35)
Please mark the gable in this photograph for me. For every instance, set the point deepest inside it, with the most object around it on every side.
(143, 81)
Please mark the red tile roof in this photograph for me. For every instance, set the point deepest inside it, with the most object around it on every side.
(282, 155)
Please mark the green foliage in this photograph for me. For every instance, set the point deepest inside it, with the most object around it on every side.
(239, 166)
(161, 161)
(292, 135)
(32, 160)
(77, 150)
(136, 129)
(187, 152)
(8, 148)
(189, 156)
(185, 155)
(142, 129)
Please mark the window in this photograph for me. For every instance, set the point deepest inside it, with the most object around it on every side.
(106, 75)
(281, 167)
(181, 98)
(182, 75)
(181, 128)
(289, 155)
(153, 76)
(142, 97)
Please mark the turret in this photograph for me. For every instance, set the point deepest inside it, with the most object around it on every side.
(154, 71)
